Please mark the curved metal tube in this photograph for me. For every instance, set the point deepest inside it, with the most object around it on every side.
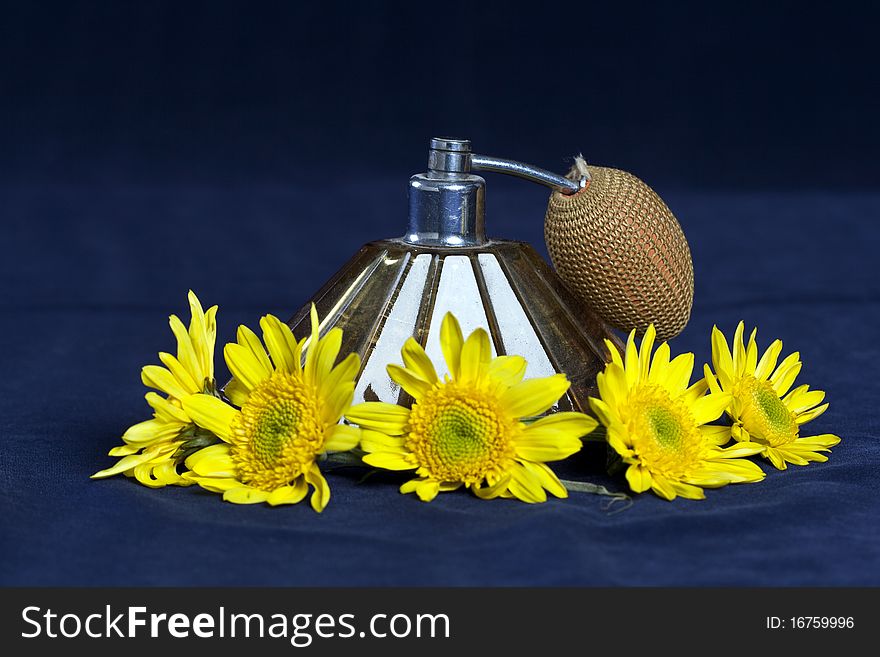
(527, 171)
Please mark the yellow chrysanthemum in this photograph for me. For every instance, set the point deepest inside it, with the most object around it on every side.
(466, 430)
(762, 408)
(289, 416)
(657, 423)
(152, 448)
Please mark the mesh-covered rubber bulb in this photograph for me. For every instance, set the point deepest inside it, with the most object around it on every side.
(620, 249)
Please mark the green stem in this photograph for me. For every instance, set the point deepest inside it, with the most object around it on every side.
(596, 489)
(597, 435)
(344, 459)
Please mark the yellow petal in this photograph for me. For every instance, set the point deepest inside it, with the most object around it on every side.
(212, 414)
(327, 353)
(710, 407)
(410, 486)
(716, 434)
(645, 352)
(344, 372)
(144, 474)
(803, 418)
(739, 350)
(631, 360)
(605, 392)
(507, 370)
(476, 353)
(180, 373)
(312, 344)
(696, 391)
(525, 486)
(389, 461)
(613, 353)
(427, 490)
(342, 438)
(568, 423)
(280, 342)
(160, 378)
(738, 432)
(205, 346)
(289, 494)
(451, 342)
(614, 387)
(602, 411)
(546, 477)
(546, 449)
(534, 396)
(711, 381)
(151, 431)
(245, 495)
(124, 450)
(165, 409)
(249, 340)
(244, 366)
(338, 401)
(213, 484)
(663, 488)
(202, 333)
(416, 360)
(379, 416)
(784, 376)
(776, 458)
(768, 360)
(123, 464)
(493, 490)
(722, 359)
(639, 478)
(186, 354)
(721, 472)
(166, 474)
(688, 491)
(376, 441)
(212, 461)
(554, 437)
(236, 392)
(659, 363)
(619, 445)
(409, 381)
(321, 495)
(751, 354)
(678, 374)
(826, 440)
(796, 397)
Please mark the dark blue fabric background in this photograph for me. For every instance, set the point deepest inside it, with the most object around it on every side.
(247, 152)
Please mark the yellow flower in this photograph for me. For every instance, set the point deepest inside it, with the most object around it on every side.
(657, 424)
(466, 430)
(762, 408)
(288, 417)
(152, 448)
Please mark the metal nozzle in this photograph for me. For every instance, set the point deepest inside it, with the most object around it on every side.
(446, 204)
(448, 155)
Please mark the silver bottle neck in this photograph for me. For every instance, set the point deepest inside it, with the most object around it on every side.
(446, 211)
(447, 204)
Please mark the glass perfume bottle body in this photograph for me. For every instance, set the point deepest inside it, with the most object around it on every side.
(392, 290)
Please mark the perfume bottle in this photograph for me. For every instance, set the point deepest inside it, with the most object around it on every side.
(397, 288)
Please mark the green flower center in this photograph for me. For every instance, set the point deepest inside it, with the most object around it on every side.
(462, 433)
(458, 433)
(764, 415)
(278, 433)
(664, 433)
(273, 428)
(665, 427)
